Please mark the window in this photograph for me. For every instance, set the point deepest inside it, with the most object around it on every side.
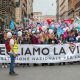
(62, 3)
(77, 5)
(18, 3)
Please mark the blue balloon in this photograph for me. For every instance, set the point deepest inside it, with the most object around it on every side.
(60, 31)
(78, 27)
(52, 27)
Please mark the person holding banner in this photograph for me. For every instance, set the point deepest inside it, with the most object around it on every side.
(3, 38)
(71, 40)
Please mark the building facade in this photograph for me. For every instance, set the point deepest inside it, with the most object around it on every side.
(68, 8)
(37, 16)
(73, 8)
(57, 15)
(63, 8)
(30, 8)
(24, 8)
(77, 7)
(20, 10)
(7, 10)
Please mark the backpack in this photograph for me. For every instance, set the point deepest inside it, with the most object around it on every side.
(8, 48)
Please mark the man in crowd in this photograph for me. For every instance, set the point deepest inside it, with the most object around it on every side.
(71, 38)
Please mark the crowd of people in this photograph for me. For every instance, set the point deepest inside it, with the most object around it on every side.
(66, 31)
(44, 38)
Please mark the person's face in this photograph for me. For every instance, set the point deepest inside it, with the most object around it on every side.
(73, 33)
(61, 37)
(79, 34)
(14, 37)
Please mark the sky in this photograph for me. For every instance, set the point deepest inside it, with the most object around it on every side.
(47, 7)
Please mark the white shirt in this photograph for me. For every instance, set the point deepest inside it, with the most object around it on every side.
(11, 42)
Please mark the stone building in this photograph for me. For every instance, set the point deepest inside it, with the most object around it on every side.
(68, 8)
(63, 8)
(57, 15)
(24, 9)
(7, 11)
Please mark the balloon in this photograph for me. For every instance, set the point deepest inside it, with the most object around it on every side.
(44, 28)
(52, 27)
(64, 29)
(38, 31)
(68, 28)
(78, 27)
(50, 31)
(49, 21)
(75, 24)
(68, 21)
(40, 28)
(60, 31)
(33, 32)
(65, 34)
(9, 34)
(20, 33)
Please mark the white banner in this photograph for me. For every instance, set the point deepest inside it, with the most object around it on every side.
(43, 53)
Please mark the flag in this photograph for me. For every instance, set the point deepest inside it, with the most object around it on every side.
(11, 26)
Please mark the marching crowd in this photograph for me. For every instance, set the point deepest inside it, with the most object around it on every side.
(44, 35)
(44, 38)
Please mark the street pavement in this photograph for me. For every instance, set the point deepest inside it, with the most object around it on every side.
(67, 72)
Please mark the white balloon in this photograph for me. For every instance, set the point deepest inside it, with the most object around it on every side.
(64, 29)
(75, 24)
(38, 31)
(9, 34)
(20, 33)
(33, 32)
(67, 28)
(50, 31)
(44, 28)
